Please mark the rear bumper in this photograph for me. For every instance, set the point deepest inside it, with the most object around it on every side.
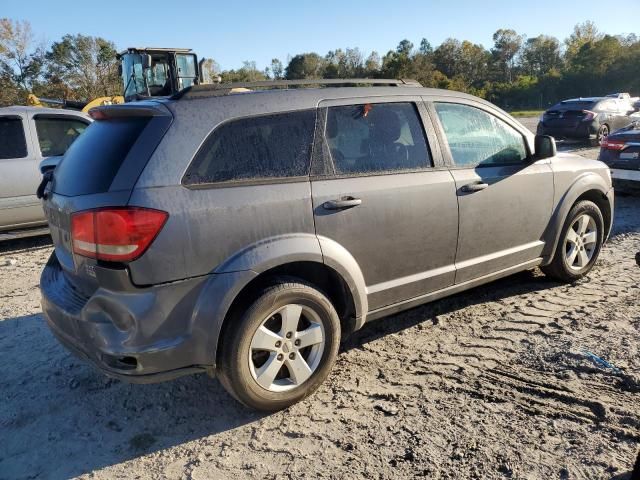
(143, 336)
(626, 181)
(582, 131)
(623, 174)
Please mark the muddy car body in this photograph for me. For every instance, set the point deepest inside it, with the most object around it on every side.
(246, 233)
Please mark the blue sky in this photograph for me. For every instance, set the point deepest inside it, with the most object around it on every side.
(231, 32)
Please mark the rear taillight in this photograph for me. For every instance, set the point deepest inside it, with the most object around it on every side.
(588, 115)
(612, 144)
(115, 234)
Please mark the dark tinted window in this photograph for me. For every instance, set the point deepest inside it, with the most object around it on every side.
(92, 162)
(586, 105)
(477, 138)
(378, 137)
(12, 140)
(270, 146)
(55, 135)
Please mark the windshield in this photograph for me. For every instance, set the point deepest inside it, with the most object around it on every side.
(154, 81)
(132, 75)
(186, 70)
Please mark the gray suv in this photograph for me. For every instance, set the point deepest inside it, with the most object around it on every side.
(244, 230)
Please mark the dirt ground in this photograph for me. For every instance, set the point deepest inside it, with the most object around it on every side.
(521, 378)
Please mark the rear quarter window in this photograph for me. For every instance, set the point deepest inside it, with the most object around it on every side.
(12, 140)
(92, 162)
(255, 148)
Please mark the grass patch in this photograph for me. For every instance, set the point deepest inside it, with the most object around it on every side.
(526, 113)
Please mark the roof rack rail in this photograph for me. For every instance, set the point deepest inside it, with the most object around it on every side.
(216, 89)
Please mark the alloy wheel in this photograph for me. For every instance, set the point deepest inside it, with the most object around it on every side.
(287, 348)
(603, 132)
(580, 242)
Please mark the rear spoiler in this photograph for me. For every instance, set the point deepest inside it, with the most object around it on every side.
(137, 109)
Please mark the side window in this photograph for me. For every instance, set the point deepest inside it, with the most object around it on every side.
(477, 138)
(55, 135)
(269, 146)
(12, 140)
(376, 137)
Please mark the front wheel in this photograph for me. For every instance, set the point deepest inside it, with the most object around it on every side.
(579, 245)
(282, 348)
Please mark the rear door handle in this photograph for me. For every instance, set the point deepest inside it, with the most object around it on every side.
(474, 187)
(344, 202)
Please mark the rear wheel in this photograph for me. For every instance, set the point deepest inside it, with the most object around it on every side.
(579, 245)
(603, 132)
(282, 348)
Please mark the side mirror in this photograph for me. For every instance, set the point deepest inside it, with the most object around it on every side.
(545, 146)
(145, 59)
(49, 163)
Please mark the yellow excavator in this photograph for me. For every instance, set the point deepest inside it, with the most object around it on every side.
(145, 72)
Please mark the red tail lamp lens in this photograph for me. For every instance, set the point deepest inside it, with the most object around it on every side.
(612, 144)
(115, 234)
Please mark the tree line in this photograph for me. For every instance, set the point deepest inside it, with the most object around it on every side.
(515, 73)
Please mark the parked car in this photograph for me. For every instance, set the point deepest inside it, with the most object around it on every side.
(586, 118)
(246, 234)
(29, 136)
(621, 152)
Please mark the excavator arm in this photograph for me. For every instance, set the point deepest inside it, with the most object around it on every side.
(34, 101)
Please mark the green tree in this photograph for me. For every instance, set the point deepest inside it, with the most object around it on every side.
(20, 61)
(447, 57)
(506, 46)
(248, 73)
(277, 69)
(305, 65)
(583, 33)
(86, 65)
(540, 55)
(397, 64)
(425, 47)
(372, 64)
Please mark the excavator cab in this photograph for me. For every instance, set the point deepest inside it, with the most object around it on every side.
(157, 72)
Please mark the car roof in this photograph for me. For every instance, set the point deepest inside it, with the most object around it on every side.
(299, 98)
(17, 109)
(584, 99)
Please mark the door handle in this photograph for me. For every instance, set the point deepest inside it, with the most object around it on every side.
(474, 187)
(344, 202)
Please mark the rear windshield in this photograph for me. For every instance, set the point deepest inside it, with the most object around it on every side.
(574, 106)
(92, 162)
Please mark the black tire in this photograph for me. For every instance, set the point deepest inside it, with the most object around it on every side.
(603, 132)
(234, 369)
(559, 268)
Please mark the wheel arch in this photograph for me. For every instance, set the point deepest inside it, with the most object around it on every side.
(587, 187)
(316, 260)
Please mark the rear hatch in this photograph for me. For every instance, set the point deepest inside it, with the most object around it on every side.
(568, 114)
(100, 170)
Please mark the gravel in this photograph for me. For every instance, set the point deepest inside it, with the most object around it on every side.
(503, 381)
